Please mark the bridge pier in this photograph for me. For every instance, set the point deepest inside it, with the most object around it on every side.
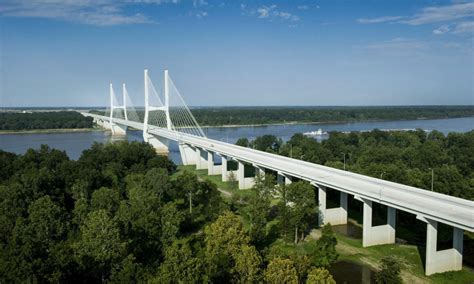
(212, 169)
(443, 260)
(201, 159)
(244, 183)
(335, 216)
(160, 144)
(283, 179)
(377, 235)
(188, 154)
(224, 168)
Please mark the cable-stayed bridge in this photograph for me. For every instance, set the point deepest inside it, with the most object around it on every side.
(166, 117)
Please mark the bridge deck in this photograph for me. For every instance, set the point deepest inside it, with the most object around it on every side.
(446, 209)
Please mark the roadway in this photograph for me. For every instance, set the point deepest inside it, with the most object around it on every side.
(424, 204)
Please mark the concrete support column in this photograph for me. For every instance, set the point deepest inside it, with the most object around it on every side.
(201, 161)
(444, 260)
(280, 178)
(377, 235)
(160, 144)
(210, 163)
(241, 174)
(259, 171)
(212, 168)
(187, 153)
(118, 130)
(335, 216)
(224, 168)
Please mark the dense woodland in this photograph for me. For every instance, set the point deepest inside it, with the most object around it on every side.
(44, 120)
(263, 115)
(408, 157)
(120, 213)
(218, 116)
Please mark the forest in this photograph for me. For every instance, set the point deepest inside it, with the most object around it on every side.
(44, 120)
(220, 116)
(217, 116)
(122, 214)
(415, 158)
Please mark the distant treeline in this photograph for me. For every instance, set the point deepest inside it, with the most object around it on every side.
(265, 115)
(218, 116)
(44, 120)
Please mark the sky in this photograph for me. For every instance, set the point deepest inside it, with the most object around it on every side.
(238, 53)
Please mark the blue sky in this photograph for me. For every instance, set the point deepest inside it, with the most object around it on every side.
(308, 52)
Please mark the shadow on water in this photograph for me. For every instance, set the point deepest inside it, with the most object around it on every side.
(345, 271)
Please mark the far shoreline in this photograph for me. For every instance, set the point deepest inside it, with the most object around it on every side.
(72, 130)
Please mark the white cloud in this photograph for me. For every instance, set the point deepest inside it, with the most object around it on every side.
(464, 27)
(441, 30)
(302, 7)
(264, 11)
(98, 13)
(378, 20)
(271, 12)
(438, 14)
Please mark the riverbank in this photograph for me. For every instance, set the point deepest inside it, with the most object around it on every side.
(56, 130)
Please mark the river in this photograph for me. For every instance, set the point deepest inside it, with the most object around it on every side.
(75, 142)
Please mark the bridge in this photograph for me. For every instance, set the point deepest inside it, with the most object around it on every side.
(173, 121)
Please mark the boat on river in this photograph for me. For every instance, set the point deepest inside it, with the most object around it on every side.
(319, 132)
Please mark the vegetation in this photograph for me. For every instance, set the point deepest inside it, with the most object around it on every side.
(44, 120)
(409, 157)
(219, 116)
(120, 213)
(389, 272)
(264, 115)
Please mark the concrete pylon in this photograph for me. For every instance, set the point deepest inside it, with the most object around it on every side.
(335, 216)
(159, 143)
(443, 260)
(117, 130)
(187, 153)
(377, 235)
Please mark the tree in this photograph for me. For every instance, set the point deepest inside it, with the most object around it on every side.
(224, 240)
(100, 242)
(105, 198)
(301, 205)
(259, 207)
(320, 275)
(247, 265)
(281, 270)
(232, 180)
(389, 272)
(324, 253)
(171, 219)
(180, 265)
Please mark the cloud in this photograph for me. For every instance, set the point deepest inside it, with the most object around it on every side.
(271, 12)
(302, 7)
(464, 27)
(378, 20)
(438, 14)
(441, 30)
(98, 13)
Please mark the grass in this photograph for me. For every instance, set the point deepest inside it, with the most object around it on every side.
(217, 180)
(408, 255)
(349, 248)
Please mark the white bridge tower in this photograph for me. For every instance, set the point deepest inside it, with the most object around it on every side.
(159, 143)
